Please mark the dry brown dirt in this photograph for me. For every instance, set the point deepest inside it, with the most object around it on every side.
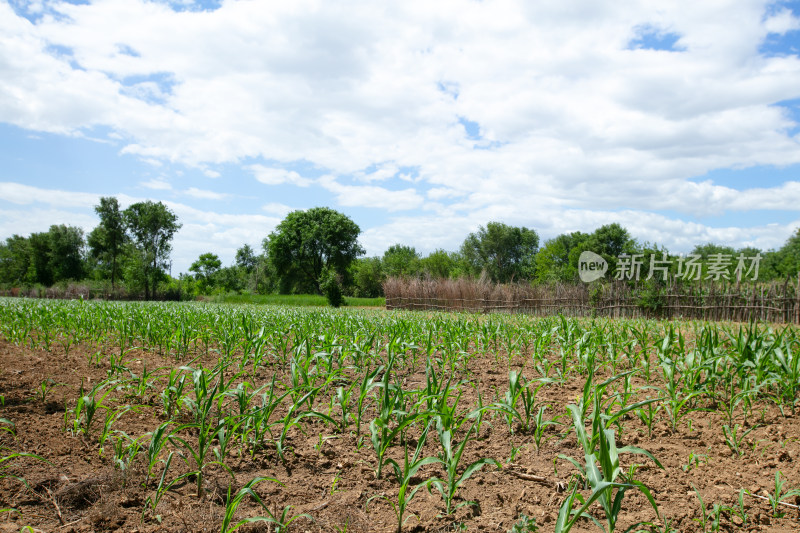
(329, 477)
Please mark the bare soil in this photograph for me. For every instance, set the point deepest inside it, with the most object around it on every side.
(330, 476)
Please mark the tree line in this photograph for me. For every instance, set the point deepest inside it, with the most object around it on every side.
(317, 251)
(128, 247)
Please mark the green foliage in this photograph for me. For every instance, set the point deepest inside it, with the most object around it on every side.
(15, 260)
(554, 262)
(206, 270)
(450, 458)
(651, 296)
(107, 240)
(367, 274)
(505, 253)
(439, 264)
(400, 261)
(524, 525)
(307, 242)
(151, 226)
(331, 288)
(608, 483)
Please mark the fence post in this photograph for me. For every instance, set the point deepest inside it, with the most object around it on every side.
(797, 304)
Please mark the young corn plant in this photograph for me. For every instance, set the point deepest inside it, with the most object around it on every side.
(5, 464)
(87, 407)
(519, 402)
(778, 496)
(384, 429)
(172, 395)
(232, 504)
(151, 502)
(608, 484)
(365, 386)
(293, 418)
(404, 474)
(734, 437)
(450, 458)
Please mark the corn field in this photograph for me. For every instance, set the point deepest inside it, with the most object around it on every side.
(420, 419)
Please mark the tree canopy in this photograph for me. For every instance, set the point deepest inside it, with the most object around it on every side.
(152, 226)
(306, 243)
(106, 241)
(504, 252)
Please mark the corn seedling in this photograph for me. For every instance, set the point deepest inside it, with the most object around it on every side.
(281, 524)
(608, 484)
(734, 437)
(404, 474)
(450, 458)
(778, 496)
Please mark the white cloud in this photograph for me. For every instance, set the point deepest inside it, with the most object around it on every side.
(278, 176)
(371, 196)
(570, 118)
(781, 22)
(201, 194)
(156, 184)
(20, 194)
(277, 209)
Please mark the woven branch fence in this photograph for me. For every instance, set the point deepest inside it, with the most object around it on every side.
(771, 302)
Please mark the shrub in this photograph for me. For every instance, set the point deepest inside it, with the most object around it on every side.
(331, 288)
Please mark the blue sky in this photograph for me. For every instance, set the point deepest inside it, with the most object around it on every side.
(419, 120)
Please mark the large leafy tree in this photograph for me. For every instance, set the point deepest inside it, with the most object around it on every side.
(246, 258)
(55, 255)
(553, 262)
(306, 243)
(400, 260)
(783, 263)
(367, 274)
(504, 252)
(151, 226)
(206, 269)
(439, 264)
(66, 252)
(107, 240)
(15, 260)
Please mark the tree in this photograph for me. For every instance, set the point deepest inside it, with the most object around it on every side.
(553, 262)
(504, 252)
(15, 261)
(246, 258)
(438, 264)
(400, 261)
(783, 263)
(152, 226)
(40, 271)
(367, 275)
(305, 243)
(106, 241)
(206, 268)
(66, 252)
(609, 241)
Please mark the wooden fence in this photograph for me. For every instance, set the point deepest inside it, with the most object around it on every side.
(772, 302)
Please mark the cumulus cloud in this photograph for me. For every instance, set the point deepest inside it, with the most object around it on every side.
(278, 176)
(201, 194)
(458, 111)
(20, 194)
(277, 209)
(371, 196)
(156, 184)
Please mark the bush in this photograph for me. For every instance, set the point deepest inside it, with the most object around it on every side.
(331, 288)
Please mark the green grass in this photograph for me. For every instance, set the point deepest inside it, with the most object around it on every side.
(296, 300)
